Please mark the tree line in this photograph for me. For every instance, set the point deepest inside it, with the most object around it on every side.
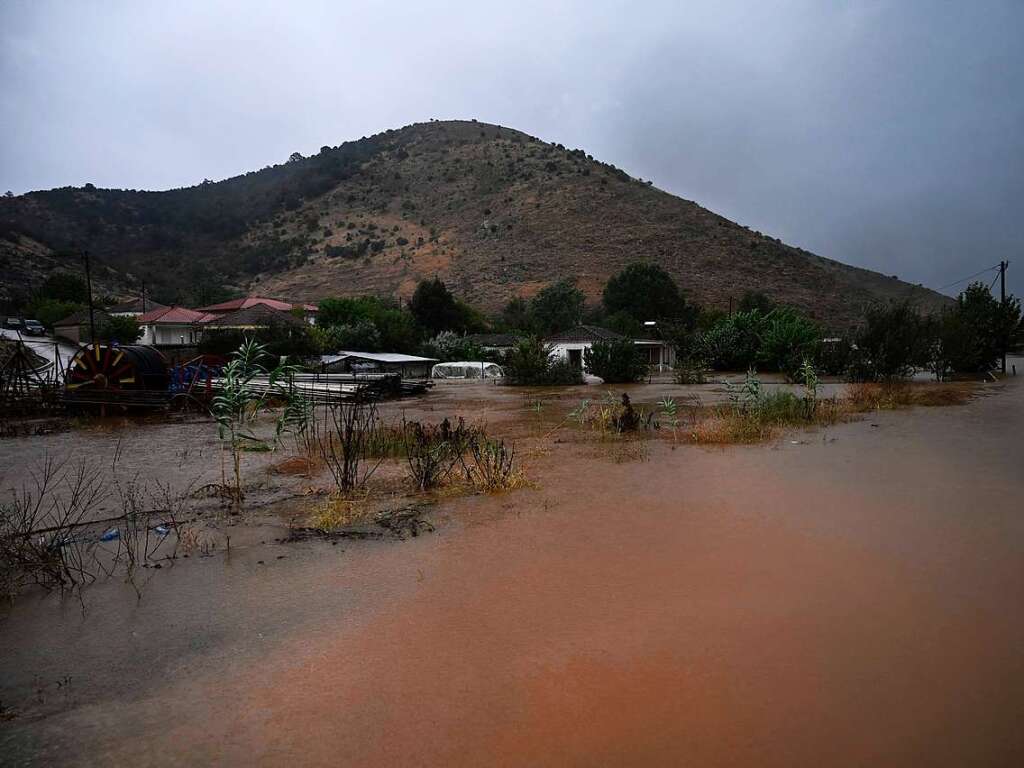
(893, 340)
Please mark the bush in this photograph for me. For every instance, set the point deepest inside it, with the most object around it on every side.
(448, 346)
(834, 356)
(396, 326)
(616, 362)
(894, 342)
(361, 336)
(787, 338)
(124, 330)
(50, 311)
(529, 363)
(734, 342)
(970, 337)
(277, 341)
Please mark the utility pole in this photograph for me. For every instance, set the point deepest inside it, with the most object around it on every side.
(88, 285)
(143, 298)
(1002, 305)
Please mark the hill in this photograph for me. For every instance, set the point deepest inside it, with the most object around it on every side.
(494, 212)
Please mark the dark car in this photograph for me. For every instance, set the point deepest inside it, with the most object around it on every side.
(14, 324)
(34, 328)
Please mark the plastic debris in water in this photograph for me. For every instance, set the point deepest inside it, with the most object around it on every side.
(110, 535)
(163, 530)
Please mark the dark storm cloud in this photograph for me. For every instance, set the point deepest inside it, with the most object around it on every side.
(885, 134)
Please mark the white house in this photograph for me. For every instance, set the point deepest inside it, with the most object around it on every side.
(170, 326)
(569, 346)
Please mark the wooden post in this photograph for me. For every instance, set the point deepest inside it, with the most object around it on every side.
(88, 285)
(1002, 304)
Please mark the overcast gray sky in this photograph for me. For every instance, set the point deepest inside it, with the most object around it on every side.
(887, 134)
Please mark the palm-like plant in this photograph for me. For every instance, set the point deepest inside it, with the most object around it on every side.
(239, 400)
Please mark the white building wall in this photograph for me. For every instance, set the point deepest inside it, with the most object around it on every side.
(169, 334)
(663, 357)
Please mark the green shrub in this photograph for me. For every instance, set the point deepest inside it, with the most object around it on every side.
(124, 330)
(734, 342)
(894, 342)
(50, 311)
(529, 363)
(448, 346)
(970, 337)
(616, 362)
(787, 338)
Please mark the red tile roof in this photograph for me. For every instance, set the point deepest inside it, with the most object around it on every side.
(176, 315)
(257, 316)
(252, 301)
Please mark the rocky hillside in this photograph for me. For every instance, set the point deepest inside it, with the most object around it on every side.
(492, 211)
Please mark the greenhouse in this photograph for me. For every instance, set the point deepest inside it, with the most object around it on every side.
(467, 370)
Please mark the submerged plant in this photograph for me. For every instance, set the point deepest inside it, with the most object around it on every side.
(242, 393)
(670, 414)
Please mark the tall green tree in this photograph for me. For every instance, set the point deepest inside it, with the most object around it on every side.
(64, 286)
(397, 327)
(970, 336)
(516, 315)
(894, 341)
(558, 307)
(644, 292)
(435, 308)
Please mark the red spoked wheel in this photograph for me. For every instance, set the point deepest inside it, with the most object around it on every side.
(99, 366)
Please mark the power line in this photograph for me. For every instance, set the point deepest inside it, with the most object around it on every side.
(970, 276)
(993, 283)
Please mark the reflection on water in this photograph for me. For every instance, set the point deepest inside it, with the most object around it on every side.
(845, 597)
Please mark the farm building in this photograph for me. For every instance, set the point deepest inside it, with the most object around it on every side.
(570, 345)
(410, 366)
(75, 327)
(467, 369)
(257, 317)
(493, 342)
(308, 310)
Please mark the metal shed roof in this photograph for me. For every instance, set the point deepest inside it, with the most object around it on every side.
(377, 357)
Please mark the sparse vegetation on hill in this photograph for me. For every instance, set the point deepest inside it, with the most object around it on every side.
(494, 213)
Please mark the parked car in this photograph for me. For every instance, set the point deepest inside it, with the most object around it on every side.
(14, 324)
(34, 328)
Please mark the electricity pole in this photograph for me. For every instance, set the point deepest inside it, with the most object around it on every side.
(1002, 305)
(88, 285)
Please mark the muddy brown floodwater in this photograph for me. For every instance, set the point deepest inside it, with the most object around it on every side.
(849, 596)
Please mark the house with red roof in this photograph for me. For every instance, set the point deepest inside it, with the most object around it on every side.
(308, 310)
(171, 326)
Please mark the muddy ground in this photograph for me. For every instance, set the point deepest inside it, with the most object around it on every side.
(844, 596)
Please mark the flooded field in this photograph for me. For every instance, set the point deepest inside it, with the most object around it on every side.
(846, 595)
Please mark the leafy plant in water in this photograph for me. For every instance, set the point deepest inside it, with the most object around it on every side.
(432, 451)
(670, 414)
(240, 397)
(808, 377)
